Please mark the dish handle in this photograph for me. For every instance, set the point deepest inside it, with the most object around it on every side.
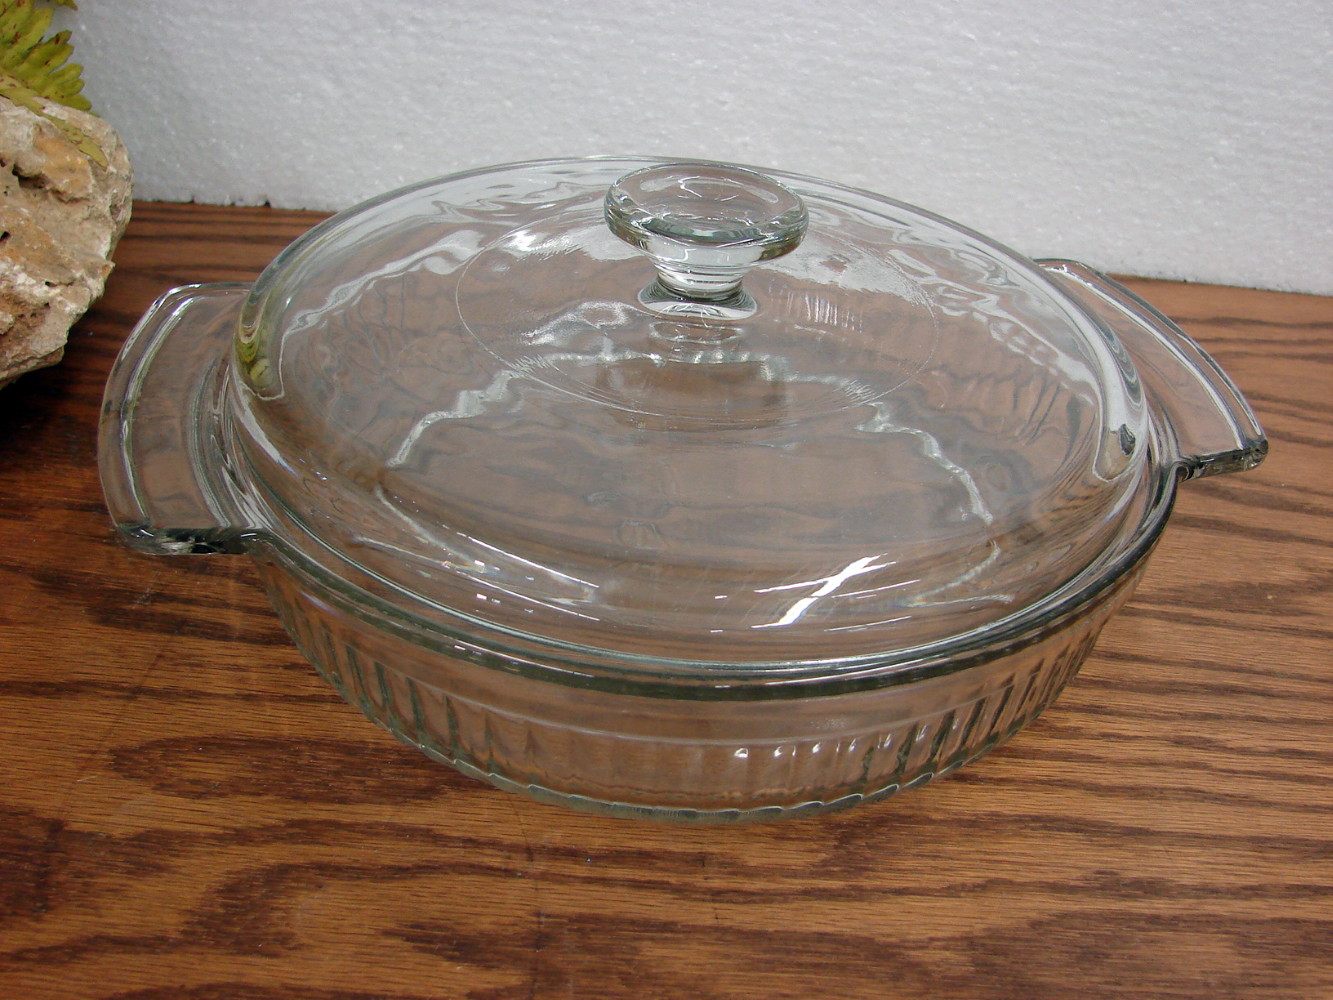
(163, 469)
(1207, 422)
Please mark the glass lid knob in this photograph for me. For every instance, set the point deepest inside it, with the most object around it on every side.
(703, 225)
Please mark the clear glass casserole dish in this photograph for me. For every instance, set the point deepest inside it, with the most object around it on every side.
(672, 489)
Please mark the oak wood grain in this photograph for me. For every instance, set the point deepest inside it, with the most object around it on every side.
(188, 813)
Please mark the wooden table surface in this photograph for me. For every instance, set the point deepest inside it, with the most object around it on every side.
(188, 813)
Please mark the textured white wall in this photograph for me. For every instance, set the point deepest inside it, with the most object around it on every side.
(1175, 138)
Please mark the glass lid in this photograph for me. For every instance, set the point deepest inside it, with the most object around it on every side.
(684, 411)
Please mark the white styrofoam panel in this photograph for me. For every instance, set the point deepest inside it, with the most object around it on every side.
(1174, 138)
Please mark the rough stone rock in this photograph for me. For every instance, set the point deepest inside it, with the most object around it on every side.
(61, 214)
